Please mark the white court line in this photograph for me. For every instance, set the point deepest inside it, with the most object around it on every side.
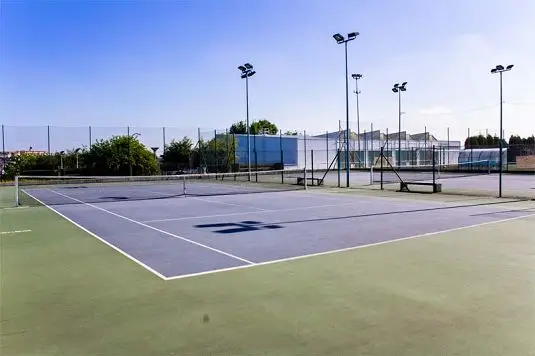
(263, 211)
(99, 238)
(156, 229)
(282, 260)
(14, 232)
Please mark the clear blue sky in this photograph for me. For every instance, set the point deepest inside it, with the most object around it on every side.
(174, 64)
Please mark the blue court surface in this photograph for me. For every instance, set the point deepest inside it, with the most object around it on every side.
(187, 236)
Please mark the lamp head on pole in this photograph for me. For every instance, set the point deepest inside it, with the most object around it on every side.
(356, 76)
(246, 70)
(338, 38)
(500, 69)
(399, 87)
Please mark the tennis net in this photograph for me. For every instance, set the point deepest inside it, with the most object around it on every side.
(59, 190)
(390, 174)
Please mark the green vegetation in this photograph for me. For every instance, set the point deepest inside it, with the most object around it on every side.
(124, 155)
(257, 128)
(459, 293)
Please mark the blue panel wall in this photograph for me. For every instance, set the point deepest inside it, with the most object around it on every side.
(268, 149)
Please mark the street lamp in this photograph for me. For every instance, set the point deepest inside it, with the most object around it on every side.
(154, 149)
(246, 72)
(398, 88)
(76, 152)
(61, 162)
(341, 40)
(500, 69)
(357, 92)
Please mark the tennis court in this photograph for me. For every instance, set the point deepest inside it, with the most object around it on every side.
(197, 266)
(179, 235)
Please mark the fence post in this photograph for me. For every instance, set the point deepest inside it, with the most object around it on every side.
(256, 164)
(381, 158)
(216, 160)
(312, 165)
(90, 138)
(281, 150)
(338, 164)
(327, 147)
(48, 138)
(434, 166)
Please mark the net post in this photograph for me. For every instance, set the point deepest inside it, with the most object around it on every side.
(17, 201)
(305, 177)
(183, 185)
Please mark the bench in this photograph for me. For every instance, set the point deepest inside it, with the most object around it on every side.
(318, 181)
(404, 186)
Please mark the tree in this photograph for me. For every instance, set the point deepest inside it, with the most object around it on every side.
(30, 163)
(264, 127)
(177, 155)
(114, 157)
(257, 128)
(481, 141)
(291, 133)
(238, 128)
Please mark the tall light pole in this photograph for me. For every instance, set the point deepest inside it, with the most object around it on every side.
(398, 88)
(341, 40)
(500, 69)
(246, 72)
(357, 92)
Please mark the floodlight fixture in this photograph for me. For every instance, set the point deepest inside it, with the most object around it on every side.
(499, 67)
(248, 66)
(338, 37)
(509, 67)
(352, 35)
(242, 68)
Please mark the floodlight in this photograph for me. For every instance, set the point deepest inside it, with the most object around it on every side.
(499, 67)
(395, 90)
(242, 68)
(352, 36)
(509, 67)
(404, 83)
(338, 37)
(243, 76)
(251, 73)
(493, 70)
(396, 85)
(248, 66)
